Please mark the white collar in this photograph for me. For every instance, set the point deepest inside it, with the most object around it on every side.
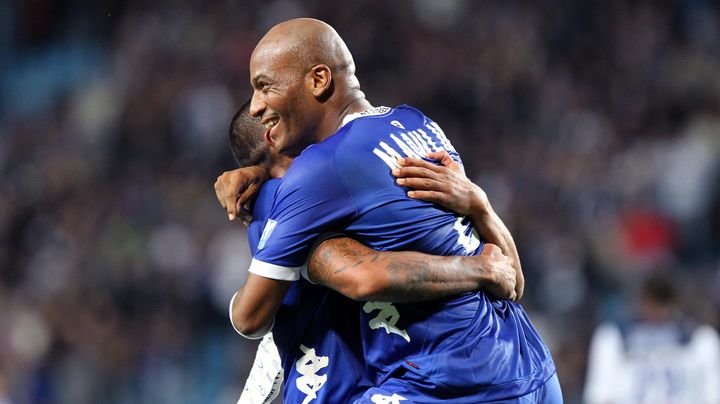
(368, 112)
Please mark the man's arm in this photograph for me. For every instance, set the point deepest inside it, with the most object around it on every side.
(253, 307)
(237, 188)
(361, 273)
(447, 186)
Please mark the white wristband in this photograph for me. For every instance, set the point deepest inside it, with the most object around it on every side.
(253, 336)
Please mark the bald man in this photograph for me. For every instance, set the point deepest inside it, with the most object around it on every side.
(470, 348)
(311, 327)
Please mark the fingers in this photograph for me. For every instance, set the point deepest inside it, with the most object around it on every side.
(445, 160)
(235, 188)
(423, 184)
(244, 203)
(248, 194)
(429, 196)
(415, 162)
(419, 178)
(245, 215)
(411, 171)
(219, 193)
(227, 189)
(410, 166)
(441, 156)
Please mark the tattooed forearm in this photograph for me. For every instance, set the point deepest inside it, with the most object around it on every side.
(320, 264)
(338, 255)
(361, 273)
(350, 256)
(433, 278)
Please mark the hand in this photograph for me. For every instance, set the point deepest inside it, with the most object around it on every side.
(235, 189)
(443, 184)
(499, 272)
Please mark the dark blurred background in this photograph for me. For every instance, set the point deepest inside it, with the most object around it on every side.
(594, 126)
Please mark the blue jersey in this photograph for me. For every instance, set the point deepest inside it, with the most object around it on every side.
(468, 346)
(320, 350)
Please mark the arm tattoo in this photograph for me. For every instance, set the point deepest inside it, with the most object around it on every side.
(323, 260)
(422, 280)
(320, 263)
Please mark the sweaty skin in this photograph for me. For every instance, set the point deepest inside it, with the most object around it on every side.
(304, 83)
(304, 80)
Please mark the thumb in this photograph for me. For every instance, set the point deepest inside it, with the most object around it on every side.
(444, 158)
(489, 249)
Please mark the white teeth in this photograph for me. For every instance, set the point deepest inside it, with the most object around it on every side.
(270, 124)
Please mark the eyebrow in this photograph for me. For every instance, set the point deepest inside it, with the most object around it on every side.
(259, 77)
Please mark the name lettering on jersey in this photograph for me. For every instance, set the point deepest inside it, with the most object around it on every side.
(435, 128)
(389, 155)
(414, 143)
(381, 399)
(308, 366)
(466, 238)
(387, 318)
(267, 231)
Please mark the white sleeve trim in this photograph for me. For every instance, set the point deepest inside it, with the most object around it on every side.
(273, 271)
(253, 336)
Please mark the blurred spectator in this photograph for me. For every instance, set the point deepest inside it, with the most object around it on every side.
(661, 356)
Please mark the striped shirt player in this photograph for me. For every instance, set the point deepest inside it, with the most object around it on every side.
(320, 351)
(469, 348)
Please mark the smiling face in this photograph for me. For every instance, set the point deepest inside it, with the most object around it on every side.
(282, 97)
(303, 79)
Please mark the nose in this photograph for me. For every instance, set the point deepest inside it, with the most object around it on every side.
(257, 106)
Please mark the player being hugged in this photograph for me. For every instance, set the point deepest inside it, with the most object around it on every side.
(468, 348)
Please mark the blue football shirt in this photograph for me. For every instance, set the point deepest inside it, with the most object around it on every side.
(468, 346)
(320, 350)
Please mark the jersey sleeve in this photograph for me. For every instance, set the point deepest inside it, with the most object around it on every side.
(311, 200)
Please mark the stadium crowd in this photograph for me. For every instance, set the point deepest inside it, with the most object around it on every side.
(593, 126)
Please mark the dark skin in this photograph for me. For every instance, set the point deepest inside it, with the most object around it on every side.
(447, 186)
(358, 272)
(304, 84)
(349, 267)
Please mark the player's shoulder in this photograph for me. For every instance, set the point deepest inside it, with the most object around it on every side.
(385, 117)
(313, 169)
(320, 156)
(316, 158)
(265, 197)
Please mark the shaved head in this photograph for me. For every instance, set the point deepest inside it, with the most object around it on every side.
(308, 42)
(303, 79)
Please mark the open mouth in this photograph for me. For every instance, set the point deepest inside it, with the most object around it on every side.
(270, 125)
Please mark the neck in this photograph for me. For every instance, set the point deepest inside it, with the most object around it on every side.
(278, 165)
(354, 102)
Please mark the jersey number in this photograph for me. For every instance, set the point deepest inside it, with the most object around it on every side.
(466, 238)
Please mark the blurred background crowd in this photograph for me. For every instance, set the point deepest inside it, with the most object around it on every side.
(594, 126)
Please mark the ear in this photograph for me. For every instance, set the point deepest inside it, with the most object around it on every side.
(320, 81)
